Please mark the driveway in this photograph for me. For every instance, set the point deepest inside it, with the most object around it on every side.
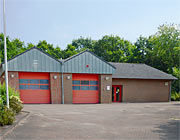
(100, 121)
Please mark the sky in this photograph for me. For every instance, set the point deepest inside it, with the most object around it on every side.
(60, 21)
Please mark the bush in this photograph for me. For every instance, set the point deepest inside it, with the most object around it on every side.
(175, 96)
(15, 103)
(7, 116)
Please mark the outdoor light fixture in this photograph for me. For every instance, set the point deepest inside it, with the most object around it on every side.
(166, 84)
(68, 77)
(55, 76)
(107, 78)
(12, 75)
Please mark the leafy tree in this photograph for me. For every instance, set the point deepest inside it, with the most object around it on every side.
(81, 44)
(176, 83)
(166, 48)
(14, 47)
(48, 48)
(69, 51)
(113, 48)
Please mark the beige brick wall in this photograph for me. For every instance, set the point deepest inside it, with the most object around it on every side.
(55, 85)
(13, 81)
(67, 88)
(105, 95)
(136, 90)
(2, 79)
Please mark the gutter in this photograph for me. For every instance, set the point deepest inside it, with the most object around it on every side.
(62, 82)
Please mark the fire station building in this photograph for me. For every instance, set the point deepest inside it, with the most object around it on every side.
(84, 78)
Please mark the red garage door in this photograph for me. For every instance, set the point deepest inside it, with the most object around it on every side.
(34, 87)
(85, 88)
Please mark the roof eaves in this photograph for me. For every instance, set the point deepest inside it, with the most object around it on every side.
(145, 78)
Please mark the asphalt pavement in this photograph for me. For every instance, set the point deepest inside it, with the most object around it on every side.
(136, 121)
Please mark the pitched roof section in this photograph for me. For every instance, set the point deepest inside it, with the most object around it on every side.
(92, 54)
(87, 62)
(34, 60)
(139, 71)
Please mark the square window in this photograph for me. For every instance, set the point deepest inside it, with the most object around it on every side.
(84, 87)
(93, 88)
(93, 82)
(84, 82)
(75, 82)
(33, 86)
(34, 81)
(45, 87)
(44, 81)
(23, 86)
(23, 81)
(76, 87)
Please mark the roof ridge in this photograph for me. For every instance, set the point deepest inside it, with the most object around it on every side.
(31, 49)
(87, 50)
(128, 63)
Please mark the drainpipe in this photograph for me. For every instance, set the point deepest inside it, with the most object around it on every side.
(62, 84)
(170, 91)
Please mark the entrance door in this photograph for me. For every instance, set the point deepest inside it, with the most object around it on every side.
(117, 93)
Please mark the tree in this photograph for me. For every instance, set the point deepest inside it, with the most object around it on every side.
(81, 44)
(69, 51)
(14, 47)
(113, 48)
(166, 48)
(48, 48)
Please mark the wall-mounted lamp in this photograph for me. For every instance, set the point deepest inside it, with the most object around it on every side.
(107, 78)
(68, 77)
(55, 76)
(12, 75)
(166, 83)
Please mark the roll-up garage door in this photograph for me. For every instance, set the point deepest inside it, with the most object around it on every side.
(34, 87)
(85, 88)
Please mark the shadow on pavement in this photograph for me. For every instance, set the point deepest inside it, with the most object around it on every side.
(176, 104)
(169, 131)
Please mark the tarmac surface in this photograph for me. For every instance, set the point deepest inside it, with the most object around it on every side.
(136, 121)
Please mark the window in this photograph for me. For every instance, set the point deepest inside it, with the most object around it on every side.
(76, 87)
(44, 81)
(84, 87)
(76, 82)
(34, 81)
(84, 82)
(93, 82)
(23, 81)
(33, 86)
(93, 88)
(46, 87)
(23, 86)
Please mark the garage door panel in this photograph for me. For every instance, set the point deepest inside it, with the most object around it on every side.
(35, 97)
(85, 88)
(34, 87)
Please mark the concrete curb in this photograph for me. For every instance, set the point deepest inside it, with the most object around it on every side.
(11, 127)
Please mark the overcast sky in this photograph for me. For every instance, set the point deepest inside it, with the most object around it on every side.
(61, 21)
